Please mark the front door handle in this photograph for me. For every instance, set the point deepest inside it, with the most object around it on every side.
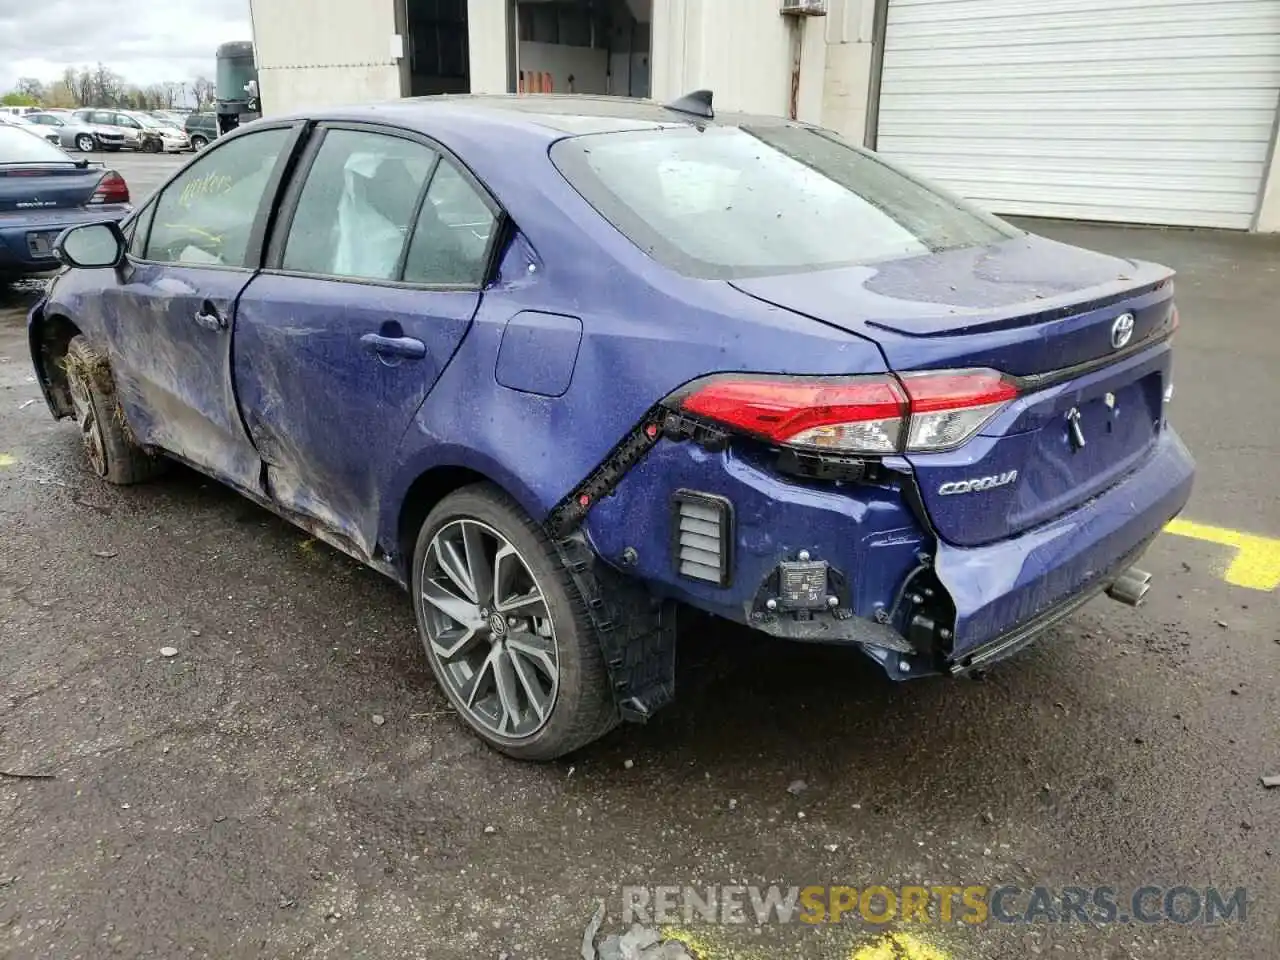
(209, 318)
(394, 346)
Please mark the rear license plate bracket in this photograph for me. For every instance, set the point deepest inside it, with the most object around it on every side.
(41, 244)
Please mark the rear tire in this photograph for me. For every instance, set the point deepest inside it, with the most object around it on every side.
(521, 663)
(85, 143)
(109, 446)
(198, 143)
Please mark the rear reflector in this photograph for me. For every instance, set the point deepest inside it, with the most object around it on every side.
(880, 414)
(111, 189)
(703, 536)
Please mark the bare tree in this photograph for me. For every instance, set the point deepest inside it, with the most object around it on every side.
(66, 91)
(32, 88)
(108, 86)
(203, 89)
(85, 89)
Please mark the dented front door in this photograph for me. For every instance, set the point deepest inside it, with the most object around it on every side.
(173, 368)
(173, 311)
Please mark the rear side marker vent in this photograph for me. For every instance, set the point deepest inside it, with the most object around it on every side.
(702, 536)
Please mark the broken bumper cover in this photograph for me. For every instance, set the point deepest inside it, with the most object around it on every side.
(1008, 592)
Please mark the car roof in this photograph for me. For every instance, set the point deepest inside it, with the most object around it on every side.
(549, 116)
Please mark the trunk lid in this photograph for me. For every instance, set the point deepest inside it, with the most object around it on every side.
(46, 186)
(1043, 312)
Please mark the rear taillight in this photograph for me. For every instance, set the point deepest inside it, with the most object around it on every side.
(948, 408)
(854, 415)
(111, 189)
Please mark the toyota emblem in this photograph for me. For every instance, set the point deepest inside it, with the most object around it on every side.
(1121, 330)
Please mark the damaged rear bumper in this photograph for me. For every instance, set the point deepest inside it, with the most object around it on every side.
(1007, 592)
(854, 563)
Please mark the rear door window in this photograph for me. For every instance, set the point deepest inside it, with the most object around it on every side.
(207, 215)
(357, 205)
(451, 240)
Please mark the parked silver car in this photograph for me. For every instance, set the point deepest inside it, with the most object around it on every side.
(161, 135)
(117, 121)
(74, 132)
(20, 121)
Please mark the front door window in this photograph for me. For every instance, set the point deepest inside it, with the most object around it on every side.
(206, 216)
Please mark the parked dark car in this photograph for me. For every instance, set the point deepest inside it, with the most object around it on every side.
(202, 128)
(560, 366)
(42, 192)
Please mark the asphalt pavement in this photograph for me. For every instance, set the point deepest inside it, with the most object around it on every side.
(242, 799)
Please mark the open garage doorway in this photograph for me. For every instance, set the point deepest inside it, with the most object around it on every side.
(584, 46)
(436, 54)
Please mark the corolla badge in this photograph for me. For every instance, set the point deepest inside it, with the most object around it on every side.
(1121, 330)
(978, 484)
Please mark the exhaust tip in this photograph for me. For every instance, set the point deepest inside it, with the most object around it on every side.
(1131, 587)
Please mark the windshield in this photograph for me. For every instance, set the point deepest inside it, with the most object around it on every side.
(729, 202)
(20, 145)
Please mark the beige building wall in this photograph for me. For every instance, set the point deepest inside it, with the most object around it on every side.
(487, 45)
(1268, 219)
(324, 53)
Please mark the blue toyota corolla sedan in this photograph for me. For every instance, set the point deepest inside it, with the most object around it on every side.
(563, 365)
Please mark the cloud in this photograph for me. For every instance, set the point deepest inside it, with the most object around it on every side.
(145, 41)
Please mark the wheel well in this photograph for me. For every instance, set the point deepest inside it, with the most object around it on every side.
(428, 490)
(55, 334)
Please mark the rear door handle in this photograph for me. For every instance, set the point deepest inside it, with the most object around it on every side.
(209, 318)
(394, 346)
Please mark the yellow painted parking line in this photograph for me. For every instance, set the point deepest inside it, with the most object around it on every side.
(1256, 564)
(889, 946)
(7, 460)
(898, 946)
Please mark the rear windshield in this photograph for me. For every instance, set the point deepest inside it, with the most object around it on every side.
(19, 145)
(729, 202)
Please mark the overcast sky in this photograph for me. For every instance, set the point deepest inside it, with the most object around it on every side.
(145, 41)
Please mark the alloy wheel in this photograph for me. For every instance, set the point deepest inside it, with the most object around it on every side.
(87, 419)
(489, 629)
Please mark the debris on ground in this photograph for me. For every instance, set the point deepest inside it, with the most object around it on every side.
(628, 764)
(105, 554)
(589, 935)
(1270, 782)
(641, 943)
(168, 652)
(797, 787)
(27, 776)
(378, 719)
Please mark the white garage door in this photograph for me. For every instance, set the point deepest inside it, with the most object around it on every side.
(1144, 111)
